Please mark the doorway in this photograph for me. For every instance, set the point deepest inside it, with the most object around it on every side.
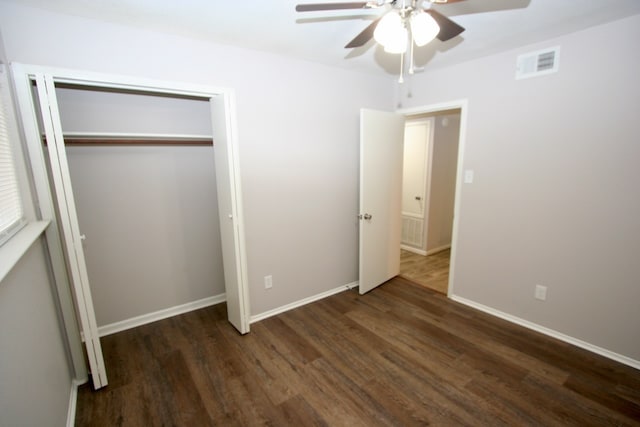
(429, 185)
(380, 219)
(64, 238)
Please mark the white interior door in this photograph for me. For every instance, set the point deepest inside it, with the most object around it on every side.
(229, 211)
(70, 227)
(415, 183)
(381, 151)
(414, 167)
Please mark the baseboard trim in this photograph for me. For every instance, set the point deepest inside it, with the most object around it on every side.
(438, 249)
(414, 250)
(73, 399)
(550, 332)
(300, 303)
(123, 325)
(425, 253)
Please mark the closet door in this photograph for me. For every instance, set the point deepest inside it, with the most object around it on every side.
(69, 223)
(230, 213)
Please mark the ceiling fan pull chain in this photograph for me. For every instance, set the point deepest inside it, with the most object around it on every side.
(411, 62)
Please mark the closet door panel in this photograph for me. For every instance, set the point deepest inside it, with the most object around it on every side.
(70, 228)
(229, 211)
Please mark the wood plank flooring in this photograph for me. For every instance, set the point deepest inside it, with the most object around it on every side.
(400, 355)
(431, 271)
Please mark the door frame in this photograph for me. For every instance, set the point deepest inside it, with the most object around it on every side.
(463, 105)
(23, 76)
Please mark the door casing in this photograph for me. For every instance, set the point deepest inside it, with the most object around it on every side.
(463, 105)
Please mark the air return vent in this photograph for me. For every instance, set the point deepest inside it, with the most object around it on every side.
(538, 63)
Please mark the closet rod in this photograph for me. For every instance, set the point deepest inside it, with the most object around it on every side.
(109, 138)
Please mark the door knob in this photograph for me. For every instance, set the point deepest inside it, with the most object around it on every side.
(418, 198)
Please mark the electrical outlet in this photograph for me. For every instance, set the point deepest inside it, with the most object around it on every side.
(268, 282)
(541, 292)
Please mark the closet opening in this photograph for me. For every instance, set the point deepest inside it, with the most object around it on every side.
(146, 211)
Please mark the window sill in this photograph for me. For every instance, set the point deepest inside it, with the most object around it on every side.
(18, 245)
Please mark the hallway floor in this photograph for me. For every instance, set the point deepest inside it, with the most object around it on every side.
(430, 271)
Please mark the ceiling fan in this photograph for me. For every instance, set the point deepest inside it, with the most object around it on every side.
(406, 22)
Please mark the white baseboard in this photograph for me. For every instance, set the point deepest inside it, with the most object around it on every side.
(73, 399)
(550, 332)
(123, 325)
(414, 250)
(300, 303)
(425, 253)
(438, 249)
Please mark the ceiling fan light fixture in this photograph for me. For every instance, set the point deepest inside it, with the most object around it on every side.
(391, 32)
(423, 28)
(399, 42)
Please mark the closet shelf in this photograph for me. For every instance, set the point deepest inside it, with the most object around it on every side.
(111, 138)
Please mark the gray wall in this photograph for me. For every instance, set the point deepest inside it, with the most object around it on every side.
(150, 213)
(298, 128)
(443, 180)
(84, 110)
(555, 198)
(151, 220)
(35, 375)
(34, 372)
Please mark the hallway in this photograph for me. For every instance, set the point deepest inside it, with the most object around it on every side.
(430, 271)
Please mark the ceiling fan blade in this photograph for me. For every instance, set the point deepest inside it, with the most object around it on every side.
(444, 1)
(312, 7)
(364, 36)
(448, 28)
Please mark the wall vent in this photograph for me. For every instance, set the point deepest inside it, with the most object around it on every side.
(538, 63)
(412, 231)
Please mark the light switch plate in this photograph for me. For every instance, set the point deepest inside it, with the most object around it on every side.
(468, 176)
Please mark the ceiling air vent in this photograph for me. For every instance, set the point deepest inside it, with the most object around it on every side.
(538, 63)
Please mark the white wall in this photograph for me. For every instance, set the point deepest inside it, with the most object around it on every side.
(555, 198)
(298, 135)
(443, 181)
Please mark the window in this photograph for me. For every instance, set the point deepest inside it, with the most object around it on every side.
(11, 212)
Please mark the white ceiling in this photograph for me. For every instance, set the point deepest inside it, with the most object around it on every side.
(274, 26)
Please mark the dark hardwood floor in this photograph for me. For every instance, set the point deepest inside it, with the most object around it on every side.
(400, 355)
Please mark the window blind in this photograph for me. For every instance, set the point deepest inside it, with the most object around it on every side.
(11, 213)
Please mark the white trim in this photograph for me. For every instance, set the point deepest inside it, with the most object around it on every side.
(414, 250)
(463, 105)
(68, 220)
(118, 81)
(144, 319)
(412, 215)
(304, 301)
(428, 179)
(438, 249)
(550, 332)
(46, 211)
(73, 400)
(15, 248)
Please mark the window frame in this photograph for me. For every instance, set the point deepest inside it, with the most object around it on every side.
(21, 236)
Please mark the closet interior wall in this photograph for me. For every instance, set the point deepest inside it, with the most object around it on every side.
(149, 211)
